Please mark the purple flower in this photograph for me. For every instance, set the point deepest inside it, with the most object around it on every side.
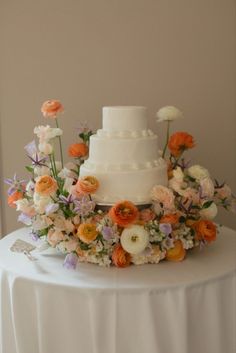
(107, 232)
(15, 184)
(24, 218)
(70, 261)
(34, 236)
(37, 161)
(31, 148)
(84, 206)
(66, 200)
(83, 128)
(51, 208)
(165, 228)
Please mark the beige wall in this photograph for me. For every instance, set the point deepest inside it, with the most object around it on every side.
(128, 52)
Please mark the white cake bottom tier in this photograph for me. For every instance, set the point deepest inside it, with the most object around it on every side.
(134, 186)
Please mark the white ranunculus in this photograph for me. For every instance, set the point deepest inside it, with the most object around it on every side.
(169, 113)
(209, 212)
(198, 172)
(45, 148)
(134, 239)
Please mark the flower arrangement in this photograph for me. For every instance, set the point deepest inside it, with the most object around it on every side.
(58, 205)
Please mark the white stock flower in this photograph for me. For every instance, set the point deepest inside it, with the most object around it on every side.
(30, 188)
(198, 172)
(58, 166)
(134, 239)
(45, 148)
(207, 188)
(41, 170)
(209, 212)
(46, 133)
(41, 202)
(178, 174)
(169, 113)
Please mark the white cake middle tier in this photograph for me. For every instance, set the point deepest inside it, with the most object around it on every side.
(132, 185)
(105, 150)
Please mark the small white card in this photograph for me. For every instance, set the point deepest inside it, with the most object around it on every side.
(22, 246)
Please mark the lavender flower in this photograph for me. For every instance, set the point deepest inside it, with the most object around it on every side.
(84, 206)
(107, 232)
(66, 200)
(165, 228)
(70, 261)
(31, 148)
(24, 218)
(37, 161)
(83, 128)
(51, 208)
(15, 184)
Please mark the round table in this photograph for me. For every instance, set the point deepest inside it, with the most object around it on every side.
(186, 307)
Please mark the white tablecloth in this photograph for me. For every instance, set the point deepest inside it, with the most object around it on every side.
(187, 307)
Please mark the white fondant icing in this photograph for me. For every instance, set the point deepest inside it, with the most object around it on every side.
(124, 157)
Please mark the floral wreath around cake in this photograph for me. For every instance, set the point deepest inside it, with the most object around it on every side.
(59, 206)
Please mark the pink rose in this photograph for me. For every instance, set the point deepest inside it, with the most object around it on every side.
(223, 192)
(192, 195)
(70, 245)
(147, 215)
(54, 237)
(164, 196)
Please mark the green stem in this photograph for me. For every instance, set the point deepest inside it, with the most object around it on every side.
(52, 166)
(167, 138)
(62, 163)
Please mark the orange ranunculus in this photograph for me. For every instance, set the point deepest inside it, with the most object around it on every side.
(87, 185)
(46, 185)
(87, 232)
(205, 230)
(179, 142)
(77, 150)
(51, 108)
(177, 253)
(17, 195)
(171, 218)
(120, 257)
(124, 213)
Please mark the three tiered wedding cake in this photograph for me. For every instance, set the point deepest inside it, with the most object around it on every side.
(124, 157)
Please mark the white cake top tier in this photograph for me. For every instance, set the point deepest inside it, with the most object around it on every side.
(124, 118)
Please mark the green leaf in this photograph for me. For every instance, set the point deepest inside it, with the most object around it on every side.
(29, 168)
(207, 204)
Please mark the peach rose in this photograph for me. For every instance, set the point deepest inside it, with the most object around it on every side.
(177, 253)
(17, 195)
(179, 142)
(147, 215)
(205, 230)
(124, 213)
(120, 257)
(163, 195)
(51, 108)
(171, 218)
(87, 185)
(54, 237)
(87, 232)
(46, 185)
(77, 150)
